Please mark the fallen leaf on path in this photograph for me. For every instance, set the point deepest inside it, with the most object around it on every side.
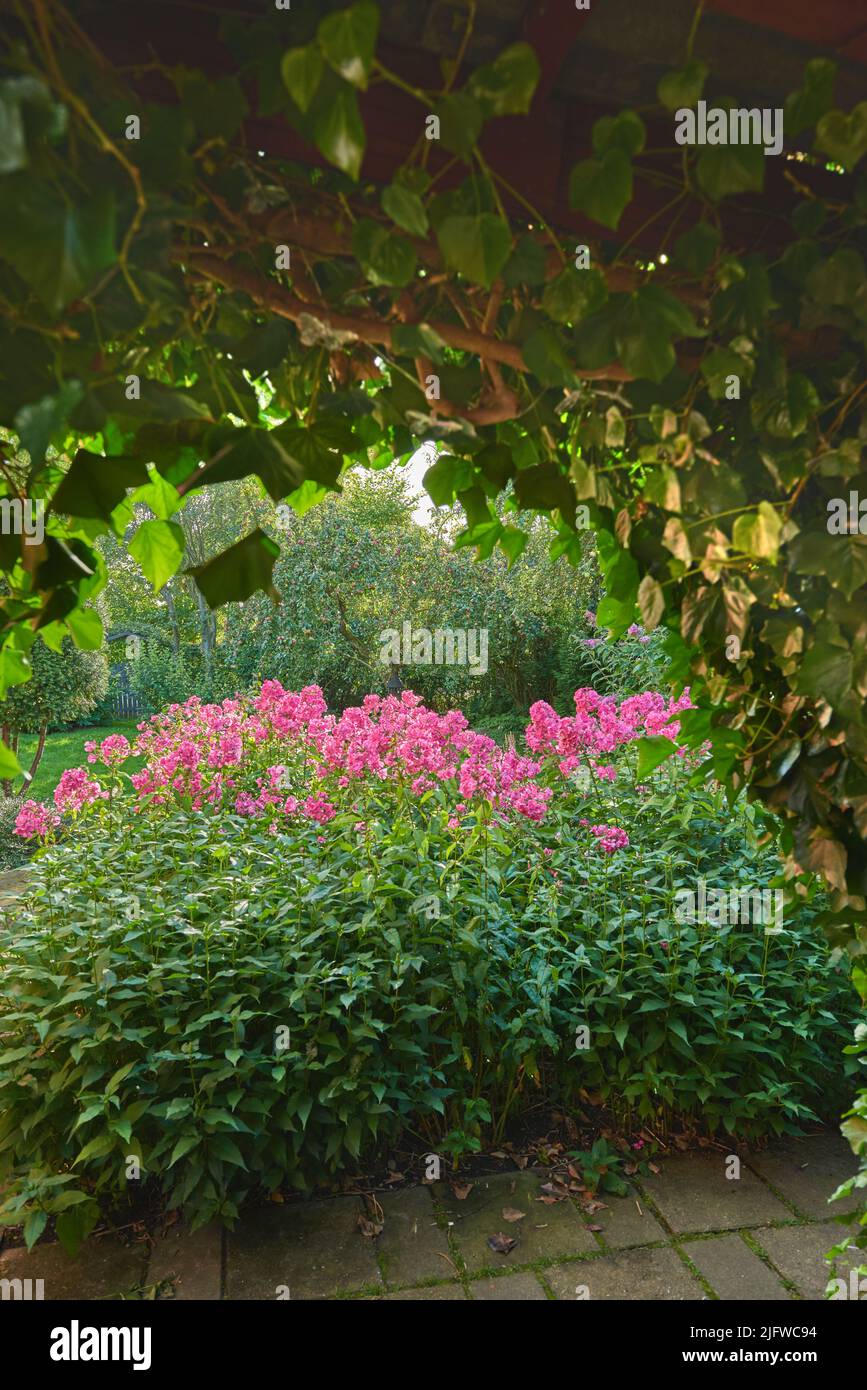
(512, 1214)
(462, 1190)
(502, 1243)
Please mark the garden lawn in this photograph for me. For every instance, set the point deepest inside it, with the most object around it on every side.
(66, 749)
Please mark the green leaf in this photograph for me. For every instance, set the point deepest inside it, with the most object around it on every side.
(461, 120)
(183, 1146)
(385, 257)
(9, 764)
(417, 340)
(56, 245)
(826, 673)
(506, 86)
(809, 103)
(695, 250)
(158, 546)
(651, 752)
(339, 132)
(446, 478)
(624, 132)
(843, 137)
(406, 208)
(785, 412)
(526, 265)
(725, 169)
(684, 87)
(301, 70)
(74, 1225)
(85, 624)
(574, 294)
(602, 187)
(758, 533)
(477, 247)
(95, 485)
(37, 424)
(648, 321)
(239, 571)
(226, 1149)
(348, 39)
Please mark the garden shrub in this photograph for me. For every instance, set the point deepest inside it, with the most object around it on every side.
(294, 937)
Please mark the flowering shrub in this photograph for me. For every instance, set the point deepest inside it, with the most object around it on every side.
(281, 754)
(293, 936)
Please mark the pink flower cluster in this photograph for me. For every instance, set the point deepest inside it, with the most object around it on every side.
(600, 725)
(281, 754)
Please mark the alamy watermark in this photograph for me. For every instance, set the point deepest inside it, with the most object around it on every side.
(738, 126)
(723, 907)
(445, 646)
(22, 516)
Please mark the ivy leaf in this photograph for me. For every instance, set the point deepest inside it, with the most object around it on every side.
(417, 340)
(301, 69)
(683, 87)
(625, 132)
(785, 412)
(843, 137)
(239, 571)
(56, 245)
(348, 38)
(385, 257)
(646, 324)
(804, 107)
(826, 673)
(13, 145)
(602, 187)
(526, 265)
(158, 546)
(406, 208)
(461, 120)
(506, 86)
(85, 625)
(758, 533)
(725, 169)
(94, 485)
(573, 294)
(447, 477)
(339, 131)
(478, 247)
(651, 602)
(37, 424)
(695, 250)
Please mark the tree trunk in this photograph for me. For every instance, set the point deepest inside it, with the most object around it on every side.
(173, 618)
(37, 756)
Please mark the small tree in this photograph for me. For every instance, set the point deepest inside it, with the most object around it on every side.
(64, 686)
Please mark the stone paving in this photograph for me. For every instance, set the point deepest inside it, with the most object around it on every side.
(689, 1232)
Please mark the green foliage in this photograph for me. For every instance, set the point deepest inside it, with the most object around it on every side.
(64, 685)
(187, 941)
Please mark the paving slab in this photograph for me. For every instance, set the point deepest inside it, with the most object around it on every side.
(311, 1249)
(627, 1221)
(509, 1288)
(103, 1268)
(546, 1230)
(412, 1246)
(693, 1194)
(192, 1260)
(799, 1254)
(633, 1275)
(734, 1271)
(808, 1170)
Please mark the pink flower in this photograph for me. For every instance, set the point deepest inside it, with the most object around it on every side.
(34, 819)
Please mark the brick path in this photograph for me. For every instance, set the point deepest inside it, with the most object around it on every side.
(688, 1233)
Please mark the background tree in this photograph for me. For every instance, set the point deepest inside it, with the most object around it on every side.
(64, 686)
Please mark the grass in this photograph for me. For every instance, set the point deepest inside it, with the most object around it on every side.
(66, 749)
